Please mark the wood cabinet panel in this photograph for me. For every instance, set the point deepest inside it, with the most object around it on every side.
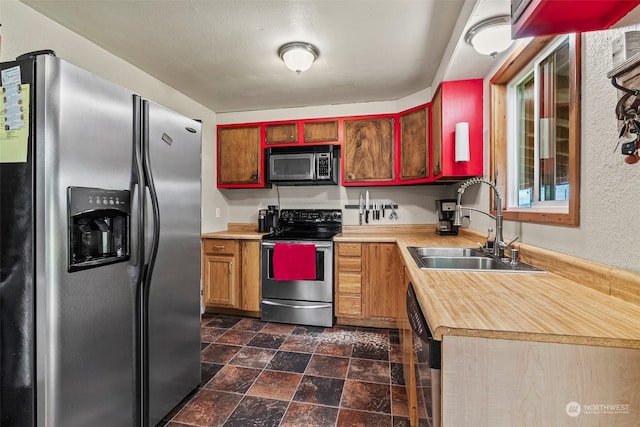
(250, 273)
(369, 153)
(495, 379)
(384, 272)
(414, 145)
(320, 131)
(281, 133)
(239, 155)
(220, 277)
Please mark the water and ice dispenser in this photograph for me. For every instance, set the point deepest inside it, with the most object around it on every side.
(99, 222)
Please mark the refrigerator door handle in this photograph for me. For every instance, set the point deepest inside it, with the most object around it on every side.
(137, 232)
(137, 228)
(149, 266)
(153, 198)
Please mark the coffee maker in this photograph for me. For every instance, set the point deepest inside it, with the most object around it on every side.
(268, 219)
(445, 211)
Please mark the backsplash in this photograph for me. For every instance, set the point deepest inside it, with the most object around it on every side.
(416, 204)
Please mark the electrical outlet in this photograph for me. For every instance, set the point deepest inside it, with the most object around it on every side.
(217, 212)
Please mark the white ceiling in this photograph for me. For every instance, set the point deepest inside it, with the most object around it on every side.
(223, 53)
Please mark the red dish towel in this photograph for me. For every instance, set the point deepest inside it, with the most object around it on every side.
(294, 261)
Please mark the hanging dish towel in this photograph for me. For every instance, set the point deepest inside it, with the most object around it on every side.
(294, 261)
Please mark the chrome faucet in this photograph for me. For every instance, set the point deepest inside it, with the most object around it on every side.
(500, 246)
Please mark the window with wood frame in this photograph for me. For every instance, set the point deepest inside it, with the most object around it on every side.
(535, 131)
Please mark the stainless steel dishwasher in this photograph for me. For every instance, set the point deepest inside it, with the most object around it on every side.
(427, 353)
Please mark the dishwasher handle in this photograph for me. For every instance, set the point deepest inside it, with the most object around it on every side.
(416, 318)
(420, 327)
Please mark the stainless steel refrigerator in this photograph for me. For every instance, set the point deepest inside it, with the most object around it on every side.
(100, 250)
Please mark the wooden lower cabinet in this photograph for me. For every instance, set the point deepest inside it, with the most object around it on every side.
(368, 278)
(231, 274)
(250, 275)
(384, 273)
(221, 271)
(406, 352)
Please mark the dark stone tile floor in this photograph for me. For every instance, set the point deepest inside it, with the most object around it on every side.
(256, 373)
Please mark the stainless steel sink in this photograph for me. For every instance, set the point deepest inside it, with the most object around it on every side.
(465, 259)
(426, 251)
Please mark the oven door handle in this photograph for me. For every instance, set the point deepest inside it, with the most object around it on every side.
(278, 304)
(271, 245)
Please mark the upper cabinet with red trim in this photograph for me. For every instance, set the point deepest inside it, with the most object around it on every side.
(369, 151)
(415, 146)
(532, 18)
(240, 156)
(456, 102)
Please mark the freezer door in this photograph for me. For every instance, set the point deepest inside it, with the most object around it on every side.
(172, 144)
(17, 346)
(84, 322)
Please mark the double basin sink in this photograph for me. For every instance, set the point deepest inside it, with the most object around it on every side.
(465, 259)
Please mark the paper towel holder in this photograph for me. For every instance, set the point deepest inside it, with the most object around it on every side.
(462, 142)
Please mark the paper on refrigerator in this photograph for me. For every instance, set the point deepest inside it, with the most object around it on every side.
(14, 117)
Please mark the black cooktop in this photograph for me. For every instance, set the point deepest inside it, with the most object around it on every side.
(307, 224)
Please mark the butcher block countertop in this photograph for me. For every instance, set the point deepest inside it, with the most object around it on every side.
(575, 301)
(543, 307)
(236, 231)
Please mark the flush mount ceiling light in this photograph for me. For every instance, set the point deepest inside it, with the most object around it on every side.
(298, 56)
(491, 36)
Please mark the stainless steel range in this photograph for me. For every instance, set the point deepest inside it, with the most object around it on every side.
(297, 267)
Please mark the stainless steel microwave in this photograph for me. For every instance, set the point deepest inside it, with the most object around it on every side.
(303, 165)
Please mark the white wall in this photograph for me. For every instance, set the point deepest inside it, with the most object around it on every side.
(610, 188)
(25, 30)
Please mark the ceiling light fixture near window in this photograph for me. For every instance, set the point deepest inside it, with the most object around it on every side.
(298, 56)
(491, 36)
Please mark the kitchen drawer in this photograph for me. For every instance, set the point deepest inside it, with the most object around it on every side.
(219, 246)
(350, 249)
(349, 264)
(349, 305)
(349, 282)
